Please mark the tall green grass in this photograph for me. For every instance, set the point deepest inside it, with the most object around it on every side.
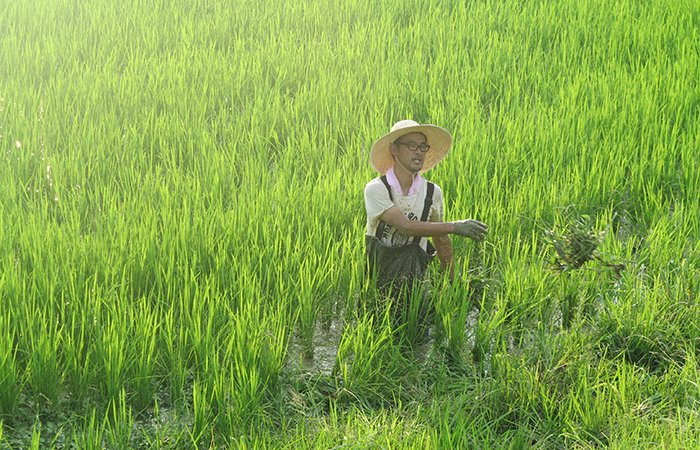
(181, 199)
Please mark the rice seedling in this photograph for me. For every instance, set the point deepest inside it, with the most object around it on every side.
(119, 427)
(77, 357)
(36, 438)
(412, 315)
(254, 356)
(487, 333)
(111, 352)
(162, 433)
(452, 308)
(201, 414)
(92, 434)
(368, 361)
(142, 371)
(44, 368)
(309, 290)
(176, 359)
(9, 387)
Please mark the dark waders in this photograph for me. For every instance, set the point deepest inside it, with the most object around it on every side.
(399, 272)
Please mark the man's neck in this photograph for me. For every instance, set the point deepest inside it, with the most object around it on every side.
(405, 178)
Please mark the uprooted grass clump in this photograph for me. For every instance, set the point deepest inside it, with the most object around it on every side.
(576, 244)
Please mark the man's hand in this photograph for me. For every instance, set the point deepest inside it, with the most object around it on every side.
(472, 229)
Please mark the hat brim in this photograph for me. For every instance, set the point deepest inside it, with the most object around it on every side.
(439, 139)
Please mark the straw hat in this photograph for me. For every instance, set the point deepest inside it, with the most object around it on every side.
(439, 139)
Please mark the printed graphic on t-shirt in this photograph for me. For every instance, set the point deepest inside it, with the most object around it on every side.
(397, 238)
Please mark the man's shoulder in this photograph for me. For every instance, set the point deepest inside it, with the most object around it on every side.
(375, 184)
(377, 180)
(437, 186)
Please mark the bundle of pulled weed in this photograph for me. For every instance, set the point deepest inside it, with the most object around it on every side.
(576, 245)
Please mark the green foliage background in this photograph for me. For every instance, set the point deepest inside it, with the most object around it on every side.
(181, 199)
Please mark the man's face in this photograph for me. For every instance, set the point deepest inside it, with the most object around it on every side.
(411, 160)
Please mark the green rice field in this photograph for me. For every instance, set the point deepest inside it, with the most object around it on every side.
(182, 221)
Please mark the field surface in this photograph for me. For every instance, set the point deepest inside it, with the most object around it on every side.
(182, 221)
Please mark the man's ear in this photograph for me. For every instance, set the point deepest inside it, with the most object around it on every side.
(392, 149)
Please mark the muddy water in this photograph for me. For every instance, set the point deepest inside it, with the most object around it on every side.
(327, 339)
(325, 349)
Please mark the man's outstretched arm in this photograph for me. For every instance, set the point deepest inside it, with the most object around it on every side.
(470, 228)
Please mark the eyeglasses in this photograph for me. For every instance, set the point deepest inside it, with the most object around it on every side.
(413, 146)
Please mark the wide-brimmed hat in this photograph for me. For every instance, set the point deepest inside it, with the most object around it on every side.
(439, 139)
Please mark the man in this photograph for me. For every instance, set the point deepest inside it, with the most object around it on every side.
(404, 210)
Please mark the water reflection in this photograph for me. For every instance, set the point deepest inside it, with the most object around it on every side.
(324, 348)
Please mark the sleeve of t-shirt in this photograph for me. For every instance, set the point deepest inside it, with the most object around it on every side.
(377, 200)
(437, 209)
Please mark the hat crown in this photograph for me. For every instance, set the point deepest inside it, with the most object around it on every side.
(404, 124)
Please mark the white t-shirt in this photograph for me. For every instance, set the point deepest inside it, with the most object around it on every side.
(377, 201)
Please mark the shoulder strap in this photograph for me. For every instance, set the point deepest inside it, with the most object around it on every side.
(386, 183)
(382, 224)
(428, 202)
(426, 207)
